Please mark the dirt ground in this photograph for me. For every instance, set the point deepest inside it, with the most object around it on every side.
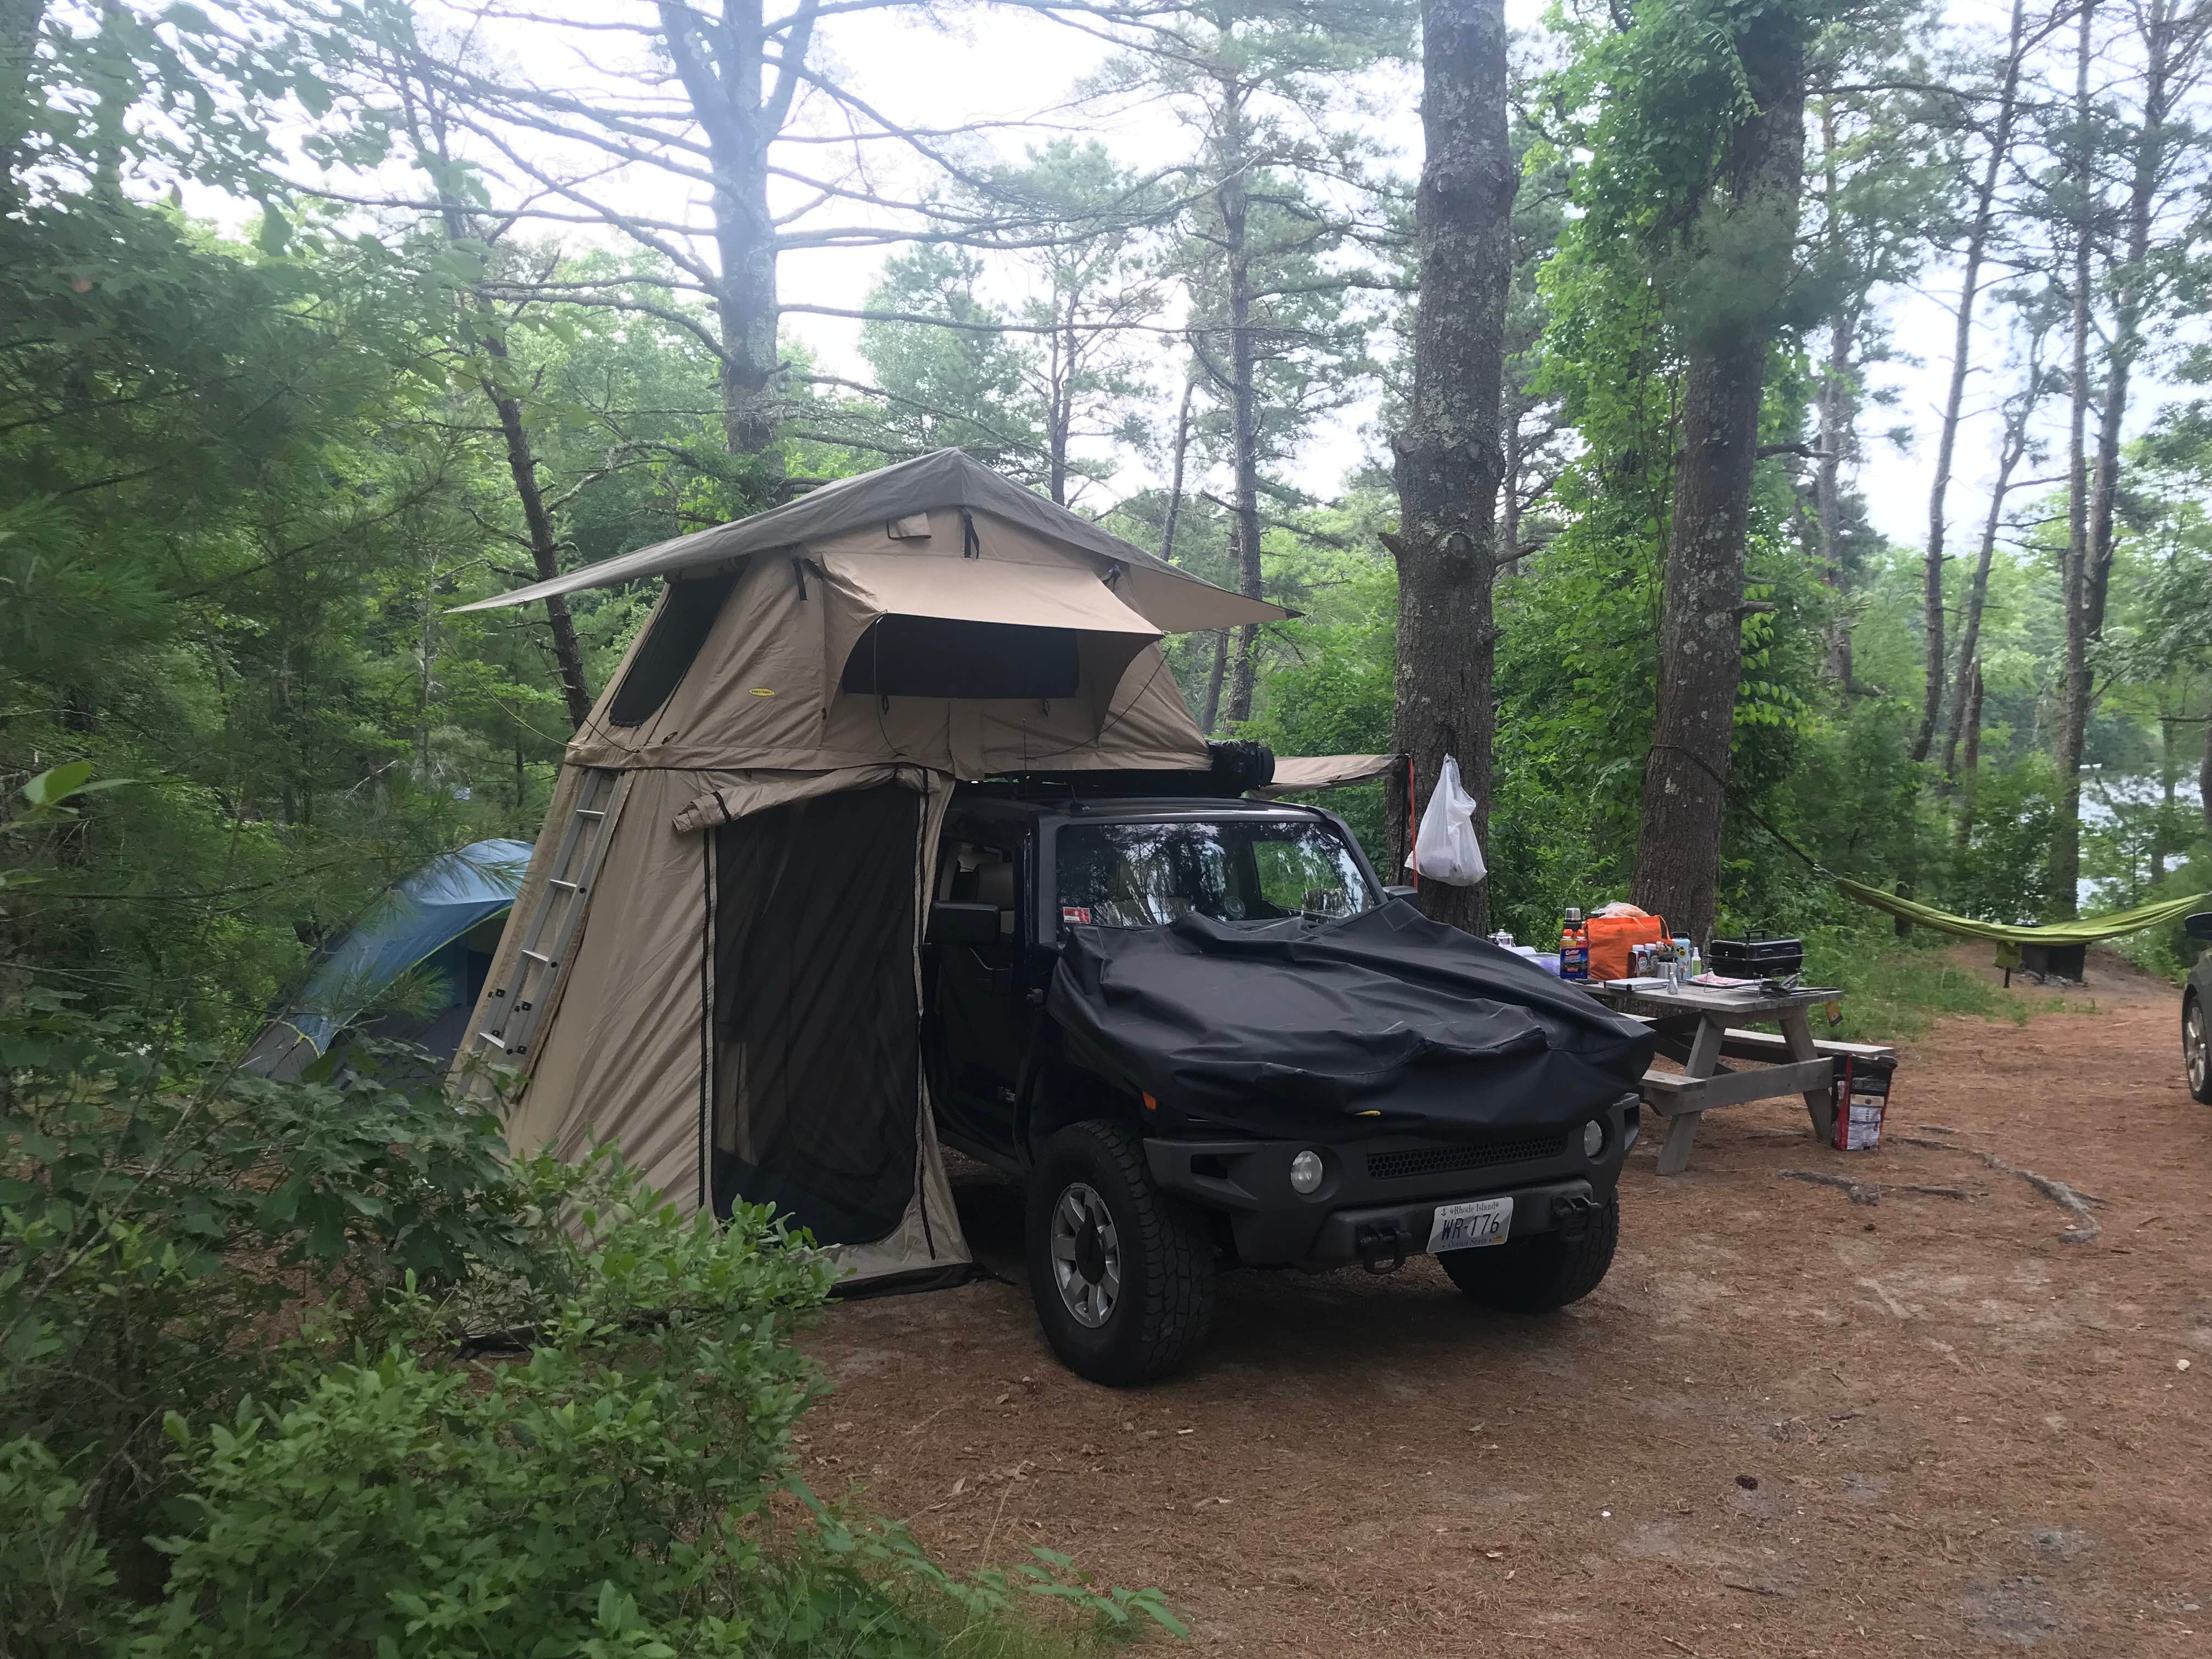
(1790, 1422)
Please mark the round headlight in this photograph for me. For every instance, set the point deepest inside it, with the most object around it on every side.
(1593, 1138)
(1305, 1172)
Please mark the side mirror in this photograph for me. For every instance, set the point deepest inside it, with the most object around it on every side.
(2199, 926)
(952, 923)
(1400, 892)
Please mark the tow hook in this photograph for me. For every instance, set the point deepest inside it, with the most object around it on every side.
(1571, 1213)
(1374, 1241)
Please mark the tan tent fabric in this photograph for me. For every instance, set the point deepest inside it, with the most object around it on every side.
(764, 693)
(627, 1043)
(725, 797)
(1297, 774)
(621, 1055)
(874, 502)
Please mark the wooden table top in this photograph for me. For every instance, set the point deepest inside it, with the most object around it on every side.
(1742, 1001)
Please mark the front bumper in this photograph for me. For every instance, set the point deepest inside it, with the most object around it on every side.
(1389, 1189)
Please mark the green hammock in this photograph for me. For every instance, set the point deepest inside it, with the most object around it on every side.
(2008, 941)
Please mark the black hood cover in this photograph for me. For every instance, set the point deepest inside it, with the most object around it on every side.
(1384, 1022)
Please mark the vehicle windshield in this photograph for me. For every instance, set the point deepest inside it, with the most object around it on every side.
(1146, 875)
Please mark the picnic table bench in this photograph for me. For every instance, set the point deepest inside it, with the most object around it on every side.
(1693, 1022)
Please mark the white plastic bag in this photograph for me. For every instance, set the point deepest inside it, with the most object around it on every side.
(1445, 849)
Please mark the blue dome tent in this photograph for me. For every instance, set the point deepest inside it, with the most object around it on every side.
(443, 922)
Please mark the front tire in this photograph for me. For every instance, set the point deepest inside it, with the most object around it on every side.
(1539, 1273)
(2196, 1056)
(1121, 1273)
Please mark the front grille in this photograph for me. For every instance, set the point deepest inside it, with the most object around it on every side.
(1442, 1160)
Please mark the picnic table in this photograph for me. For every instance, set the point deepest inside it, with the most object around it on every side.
(1701, 1025)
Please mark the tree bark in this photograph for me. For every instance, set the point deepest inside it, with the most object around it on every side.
(1962, 341)
(2074, 709)
(1972, 693)
(2167, 790)
(1701, 640)
(2014, 446)
(722, 62)
(1175, 482)
(1835, 401)
(2168, 42)
(1213, 683)
(544, 545)
(428, 129)
(1448, 457)
(1243, 414)
(2204, 778)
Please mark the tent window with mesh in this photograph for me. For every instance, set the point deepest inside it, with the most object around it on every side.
(816, 1033)
(952, 657)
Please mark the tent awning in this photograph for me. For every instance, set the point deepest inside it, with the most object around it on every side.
(1296, 773)
(1175, 600)
(969, 590)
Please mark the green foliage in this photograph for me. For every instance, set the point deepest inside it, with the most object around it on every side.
(159, 1210)
(1894, 989)
(2002, 873)
(233, 1419)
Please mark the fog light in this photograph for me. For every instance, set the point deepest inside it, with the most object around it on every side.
(1593, 1138)
(1305, 1172)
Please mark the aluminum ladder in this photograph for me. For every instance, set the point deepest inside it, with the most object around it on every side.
(519, 1004)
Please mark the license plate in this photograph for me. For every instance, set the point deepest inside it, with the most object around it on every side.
(1470, 1226)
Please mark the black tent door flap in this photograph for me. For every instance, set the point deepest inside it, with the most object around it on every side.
(952, 657)
(816, 1039)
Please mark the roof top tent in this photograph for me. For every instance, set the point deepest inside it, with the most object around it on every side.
(444, 921)
(716, 956)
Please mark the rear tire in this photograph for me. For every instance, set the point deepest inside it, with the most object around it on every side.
(1539, 1273)
(1121, 1273)
(2196, 1049)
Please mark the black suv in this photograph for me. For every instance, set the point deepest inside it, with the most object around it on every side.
(1134, 1195)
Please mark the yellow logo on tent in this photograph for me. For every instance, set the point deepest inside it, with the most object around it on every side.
(763, 691)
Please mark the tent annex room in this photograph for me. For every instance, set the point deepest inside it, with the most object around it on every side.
(715, 958)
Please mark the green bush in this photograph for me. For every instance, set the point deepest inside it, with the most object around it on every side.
(163, 1218)
(312, 1368)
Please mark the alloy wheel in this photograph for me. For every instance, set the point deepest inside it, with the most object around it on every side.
(1086, 1255)
(2192, 1044)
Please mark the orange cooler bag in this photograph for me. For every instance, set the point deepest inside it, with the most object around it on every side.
(1611, 939)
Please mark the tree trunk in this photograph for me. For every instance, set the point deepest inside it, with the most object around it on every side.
(1701, 640)
(720, 63)
(1059, 410)
(1834, 402)
(1243, 415)
(1449, 457)
(1978, 242)
(1971, 695)
(2167, 789)
(2162, 68)
(544, 545)
(2012, 446)
(2074, 707)
(2204, 778)
(1827, 479)
(1175, 482)
(1212, 721)
(431, 135)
